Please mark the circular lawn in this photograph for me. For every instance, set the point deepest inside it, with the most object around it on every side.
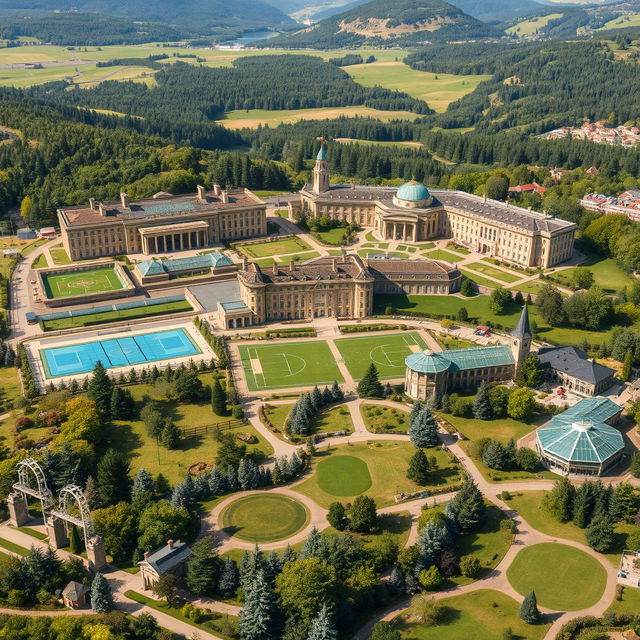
(564, 578)
(264, 517)
(343, 476)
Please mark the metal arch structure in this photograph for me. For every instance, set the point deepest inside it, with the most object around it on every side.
(70, 494)
(28, 469)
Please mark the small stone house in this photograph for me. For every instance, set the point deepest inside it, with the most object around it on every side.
(74, 595)
(170, 558)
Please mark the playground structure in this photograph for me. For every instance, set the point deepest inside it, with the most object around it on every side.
(72, 510)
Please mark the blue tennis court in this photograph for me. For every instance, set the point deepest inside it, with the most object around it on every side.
(117, 352)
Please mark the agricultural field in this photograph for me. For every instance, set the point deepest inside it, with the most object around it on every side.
(622, 22)
(532, 25)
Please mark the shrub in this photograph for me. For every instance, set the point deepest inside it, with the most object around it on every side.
(470, 566)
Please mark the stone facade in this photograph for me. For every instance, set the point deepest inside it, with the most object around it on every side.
(162, 224)
(412, 213)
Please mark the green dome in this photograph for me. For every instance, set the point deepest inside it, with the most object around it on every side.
(427, 362)
(413, 192)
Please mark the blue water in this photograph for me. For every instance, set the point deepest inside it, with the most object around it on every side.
(117, 352)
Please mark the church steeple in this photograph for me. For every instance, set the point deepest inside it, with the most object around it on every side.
(321, 170)
(521, 339)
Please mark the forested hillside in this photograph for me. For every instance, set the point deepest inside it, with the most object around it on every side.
(201, 94)
(401, 23)
(496, 10)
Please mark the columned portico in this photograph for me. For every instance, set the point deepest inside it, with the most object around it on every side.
(396, 230)
(174, 237)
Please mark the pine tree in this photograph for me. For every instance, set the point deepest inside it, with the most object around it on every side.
(418, 470)
(229, 579)
(627, 365)
(559, 501)
(143, 482)
(76, 545)
(113, 478)
(316, 398)
(415, 412)
(396, 579)
(217, 483)
(218, 398)
(101, 598)
(424, 430)
(599, 533)
(446, 403)
(370, 386)
(529, 609)
(322, 627)
(468, 505)
(482, 405)
(336, 392)
(495, 456)
(100, 388)
(203, 567)
(315, 546)
(635, 465)
(258, 616)
(433, 540)
(327, 397)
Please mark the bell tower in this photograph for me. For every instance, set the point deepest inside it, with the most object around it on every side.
(321, 170)
(521, 339)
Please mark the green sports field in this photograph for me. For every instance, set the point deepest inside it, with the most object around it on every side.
(63, 285)
(386, 352)
(288, 364)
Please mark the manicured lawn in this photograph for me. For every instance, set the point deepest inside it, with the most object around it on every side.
(493, 272)
(557, 573)
(60, 256)
(387, 352)
(299, 257)
(487, 282)
(334, 419)
(342, 475)
(502, 429)
(529, 505)
(452, 342)
(9, 386)
(457, 249)
(278, 414)
(380, 418)
(493, 475)
(479, 615)
(288, 364)
(116, 316)
(40, 262)
(606, 274)
(332, 236)
(12, 546)
(33, 532)
(61, 285)
(386, 462)
(532, 286)
(630, 602)
(264, 518)
(441, 254)
(273, 248)
(366, 253)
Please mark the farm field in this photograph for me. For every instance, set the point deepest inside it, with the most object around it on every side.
(387, 352)
(61, 285)
(622, 22)
(438, 90)
(530, 26)
(288, 364)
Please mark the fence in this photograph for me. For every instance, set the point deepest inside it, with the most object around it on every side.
(206, 428)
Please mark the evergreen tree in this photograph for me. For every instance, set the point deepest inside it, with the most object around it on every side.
(433, 540)
(495, 456)
(415, 412)
(424, 430)
(635, 465)
(582, 505)
(327, 396)
(258, 618)
(75, 543)
(170, 435)
(336, 392)
(143, 482)
(316, 398)
(559, 501)
(100, 388)
(529, 609)
(322, 627)
(396, 579)
(121, 404)
(468, 505)
(599, 533)
(337, 516)
(531, 373)
(218, 398)
(101, 598)
(418, 470)
(370, 386)
(446, 403)
(627, 366)
(114, 484)
(482, 405)
(203, 567)
(229, 579)
(315, 546)
(217, 482)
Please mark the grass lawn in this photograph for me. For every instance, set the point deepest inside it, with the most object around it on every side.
(622, 22)
(531, 26)
(116, 316)
(370, 237)
(34, 533)
(630, 602)
(12, 546)
(299, 257)
(61, 285)
(452, 342)
(130, 436)
(487, 282)
(479, 615)
(558, 588)
(606, 274)
(386, 463)
(502, 429)
(40, 262)
(493, 475)
(334, 419)
(532, 286)
(288, 364)
(264, 518)
(332, 236)
(380, 418)
(278, 414)
(493, 272)
(217, 623)
(458, 249)
(529, 505)
(60, 256)
(387, 352)
(441, 254)
(9, 388)
(273, 248)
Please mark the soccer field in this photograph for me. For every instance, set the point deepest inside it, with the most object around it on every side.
(294, 364)
(386, 352)
(63, 285)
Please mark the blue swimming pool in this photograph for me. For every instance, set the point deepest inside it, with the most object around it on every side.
(117, 352)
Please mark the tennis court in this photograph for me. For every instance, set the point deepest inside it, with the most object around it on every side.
(386, 352)
(117, 352)
(65, 284)
(294, 364)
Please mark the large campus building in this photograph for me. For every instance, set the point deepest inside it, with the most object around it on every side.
(162, 224)
(413, 213)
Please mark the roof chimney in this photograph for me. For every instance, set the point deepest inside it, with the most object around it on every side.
(225, 197)
(202, 194)
(170, 544)
(216, 189)
(102, 209)
(146, 554)
(291, 265)
(334, 264)
(275, 267)
(92, 203)
(124, 200)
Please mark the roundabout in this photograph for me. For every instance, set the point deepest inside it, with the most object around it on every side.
(263, 518)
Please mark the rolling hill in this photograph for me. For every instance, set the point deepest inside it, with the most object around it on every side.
(400, 23)
(496, 10)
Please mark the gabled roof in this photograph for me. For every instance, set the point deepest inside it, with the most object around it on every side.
(168, 557)
(574, 362)
(74, 591)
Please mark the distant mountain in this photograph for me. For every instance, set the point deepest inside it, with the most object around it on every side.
(390, 23)
(200, 16)
(496, 10)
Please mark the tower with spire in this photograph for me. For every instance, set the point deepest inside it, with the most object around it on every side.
(321, 170)
(521, 339)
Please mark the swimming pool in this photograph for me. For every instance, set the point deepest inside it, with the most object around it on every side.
(117, 352)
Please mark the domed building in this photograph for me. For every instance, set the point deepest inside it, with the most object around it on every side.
(414, 213)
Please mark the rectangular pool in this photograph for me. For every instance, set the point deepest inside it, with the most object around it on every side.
(117, 352)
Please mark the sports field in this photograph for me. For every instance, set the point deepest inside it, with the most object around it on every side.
(288, 364)
(63, 285)
(386, 352)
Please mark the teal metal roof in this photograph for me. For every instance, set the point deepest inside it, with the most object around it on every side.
(169, 207)
(459, 359)
(155, 267)
(413, 192)
(580, 433)
(235, 305)
(322, 154)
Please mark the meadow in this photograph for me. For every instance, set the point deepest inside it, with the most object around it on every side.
(530, 26)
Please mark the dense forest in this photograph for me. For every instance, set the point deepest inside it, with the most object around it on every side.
(201, 94)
